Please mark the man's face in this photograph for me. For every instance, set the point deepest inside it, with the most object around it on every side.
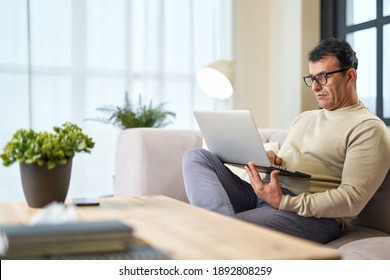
(337, 92)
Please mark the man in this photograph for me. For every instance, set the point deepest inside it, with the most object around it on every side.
(343, 146)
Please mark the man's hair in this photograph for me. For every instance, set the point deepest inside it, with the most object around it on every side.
(338, 48)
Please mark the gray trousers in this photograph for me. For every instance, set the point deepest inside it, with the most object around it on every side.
(211, 185)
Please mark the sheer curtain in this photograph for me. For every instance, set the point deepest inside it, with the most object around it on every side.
(60, 59)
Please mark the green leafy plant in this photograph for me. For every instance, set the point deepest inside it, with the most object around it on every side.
(129, 116)
(28, 146)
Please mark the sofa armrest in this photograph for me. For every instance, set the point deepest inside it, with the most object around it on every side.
(148, 161)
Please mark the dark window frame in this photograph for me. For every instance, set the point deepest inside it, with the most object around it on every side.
(333, 24)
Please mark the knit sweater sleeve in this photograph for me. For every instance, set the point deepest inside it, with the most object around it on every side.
(366, 164)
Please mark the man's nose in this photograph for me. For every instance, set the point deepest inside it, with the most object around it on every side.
(315, 86)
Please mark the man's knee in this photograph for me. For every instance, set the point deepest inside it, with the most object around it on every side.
(198, 155)
(193, 153)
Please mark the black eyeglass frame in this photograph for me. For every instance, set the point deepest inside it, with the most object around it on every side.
(324, 75)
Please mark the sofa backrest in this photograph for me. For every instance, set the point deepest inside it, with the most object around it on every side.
(376, 214)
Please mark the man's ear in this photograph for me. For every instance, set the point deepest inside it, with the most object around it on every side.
(351, 75)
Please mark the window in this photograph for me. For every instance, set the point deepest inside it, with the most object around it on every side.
(366, 26)
(61, 59)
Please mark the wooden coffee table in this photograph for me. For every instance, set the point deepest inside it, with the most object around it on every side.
(187, 232)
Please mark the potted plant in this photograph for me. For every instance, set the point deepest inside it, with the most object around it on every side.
(45, 160)
(130, 116)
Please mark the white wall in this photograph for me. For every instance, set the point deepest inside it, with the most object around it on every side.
(271, 42)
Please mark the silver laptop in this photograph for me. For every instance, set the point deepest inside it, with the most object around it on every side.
(233, 137)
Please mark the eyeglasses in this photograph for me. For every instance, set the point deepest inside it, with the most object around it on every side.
(322, 78)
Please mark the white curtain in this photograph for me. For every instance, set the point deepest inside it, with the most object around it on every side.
(60, 59)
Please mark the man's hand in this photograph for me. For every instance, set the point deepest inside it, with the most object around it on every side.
(273, 158)
(271, 192)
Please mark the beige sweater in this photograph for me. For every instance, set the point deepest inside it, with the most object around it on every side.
(347, 151)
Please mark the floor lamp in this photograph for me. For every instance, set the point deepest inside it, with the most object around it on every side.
(217, 79)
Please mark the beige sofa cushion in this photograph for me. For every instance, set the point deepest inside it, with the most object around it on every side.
(374, 248)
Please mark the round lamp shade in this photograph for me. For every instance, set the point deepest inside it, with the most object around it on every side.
(217, 79)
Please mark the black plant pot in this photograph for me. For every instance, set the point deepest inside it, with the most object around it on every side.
(42, 185)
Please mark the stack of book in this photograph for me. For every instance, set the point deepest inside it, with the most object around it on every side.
(48, 240)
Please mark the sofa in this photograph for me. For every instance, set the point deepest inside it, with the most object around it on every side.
(148, 162)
